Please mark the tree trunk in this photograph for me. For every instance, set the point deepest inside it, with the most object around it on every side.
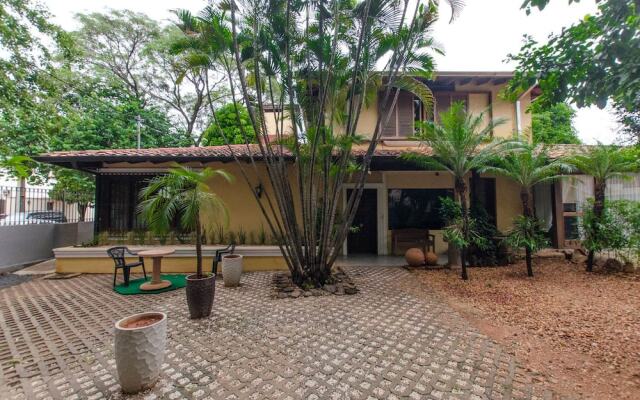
(82, 208)
(526, 211)
(598, 209)
(461, 191)
(529, 262)
(198, 247)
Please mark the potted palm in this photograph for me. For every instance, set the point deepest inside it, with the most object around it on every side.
(184, 195)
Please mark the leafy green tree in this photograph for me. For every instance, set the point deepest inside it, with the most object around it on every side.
(459, 144)
(590, 62)
(27, 114)
(74, 187)
(16, 166)
(185, 195)
(231, 127)
(630, 125)
(603, 163)
(528, 167)
(134, 51)
(102, 115)
(554, 124)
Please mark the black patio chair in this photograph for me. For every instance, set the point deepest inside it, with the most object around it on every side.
(218, 257)
(118, 256)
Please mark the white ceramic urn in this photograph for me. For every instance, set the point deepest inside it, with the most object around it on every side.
(140, 350)
(231, 269)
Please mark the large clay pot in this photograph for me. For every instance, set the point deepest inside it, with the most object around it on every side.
(200, 294)
(140, 342)
(431, 258)
(231, 269)
(414, 257)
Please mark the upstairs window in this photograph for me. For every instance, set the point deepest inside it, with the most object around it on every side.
(400, 124)
(445, 99)
(409, 110)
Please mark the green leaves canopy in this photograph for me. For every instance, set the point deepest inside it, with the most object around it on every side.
(604, 162)
(530, 165)
(184, 195)
(231, 125)
(459, 143)
(27, 113)
(588, 63)
(553, 124)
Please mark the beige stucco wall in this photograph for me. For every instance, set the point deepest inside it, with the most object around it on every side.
(245, 215)
(508, 204)
(278, 122)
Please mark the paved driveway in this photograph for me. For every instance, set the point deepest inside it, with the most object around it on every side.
(395, 339)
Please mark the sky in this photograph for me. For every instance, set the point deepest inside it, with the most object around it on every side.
(479, 40)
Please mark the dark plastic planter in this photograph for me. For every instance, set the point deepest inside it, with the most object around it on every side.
(200, 293)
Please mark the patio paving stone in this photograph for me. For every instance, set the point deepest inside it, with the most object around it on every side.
(393, 340)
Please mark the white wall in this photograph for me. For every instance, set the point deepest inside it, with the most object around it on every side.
(23, 244)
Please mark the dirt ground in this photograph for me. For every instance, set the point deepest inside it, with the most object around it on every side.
(579, 332)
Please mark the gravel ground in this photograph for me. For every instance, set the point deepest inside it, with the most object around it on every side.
(577, 331)
(9, 279)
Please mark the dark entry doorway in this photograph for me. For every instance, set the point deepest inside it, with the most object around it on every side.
(365, 239)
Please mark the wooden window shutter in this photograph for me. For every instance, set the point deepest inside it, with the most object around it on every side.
(388, 130)
(401, 118)
(405, 115)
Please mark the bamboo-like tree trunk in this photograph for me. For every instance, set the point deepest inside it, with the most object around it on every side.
(461, 192)
(600, 187)
(526, 211)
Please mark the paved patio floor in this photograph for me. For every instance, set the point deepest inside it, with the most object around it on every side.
(395, 339)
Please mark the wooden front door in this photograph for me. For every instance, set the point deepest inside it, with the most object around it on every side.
(364, 239)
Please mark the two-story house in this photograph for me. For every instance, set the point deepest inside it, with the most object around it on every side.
(398, 195)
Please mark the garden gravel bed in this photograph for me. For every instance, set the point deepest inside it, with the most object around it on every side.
(577, 331)
(8, 279)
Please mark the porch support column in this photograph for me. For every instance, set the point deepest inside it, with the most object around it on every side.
(97, 205)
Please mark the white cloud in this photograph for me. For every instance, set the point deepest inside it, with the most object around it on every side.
(479, 40)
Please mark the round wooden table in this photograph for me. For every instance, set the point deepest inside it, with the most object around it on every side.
(156, 254)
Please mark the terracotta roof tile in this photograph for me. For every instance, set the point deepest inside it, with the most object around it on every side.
(384, 149)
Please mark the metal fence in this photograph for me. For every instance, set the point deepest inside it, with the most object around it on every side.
(23, 206)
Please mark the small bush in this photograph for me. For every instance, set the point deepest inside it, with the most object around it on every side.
(262, 236)
(242, 236)
(618, 230)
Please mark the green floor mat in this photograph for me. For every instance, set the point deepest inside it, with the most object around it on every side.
(177, 282)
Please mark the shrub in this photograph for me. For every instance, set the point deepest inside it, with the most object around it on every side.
(527, 232)
(453, 233)
(618, 229)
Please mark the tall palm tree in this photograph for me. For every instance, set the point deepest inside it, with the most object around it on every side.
(184, 194)
(603, 162)
(459, 144)
(529, 166)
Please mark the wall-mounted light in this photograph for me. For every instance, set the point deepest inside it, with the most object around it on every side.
(259, 190)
